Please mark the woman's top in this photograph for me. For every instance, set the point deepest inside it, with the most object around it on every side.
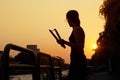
(77, 56)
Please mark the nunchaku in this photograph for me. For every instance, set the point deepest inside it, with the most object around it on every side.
(57, 36)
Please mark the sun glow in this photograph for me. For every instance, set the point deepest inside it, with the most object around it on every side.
(94, 46)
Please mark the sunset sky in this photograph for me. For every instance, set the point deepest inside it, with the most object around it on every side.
(24, 22)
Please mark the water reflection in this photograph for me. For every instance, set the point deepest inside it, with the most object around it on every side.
(43, 75)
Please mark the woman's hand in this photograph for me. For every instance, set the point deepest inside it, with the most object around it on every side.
(61, 42)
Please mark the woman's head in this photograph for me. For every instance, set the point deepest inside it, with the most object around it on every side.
(73, 18)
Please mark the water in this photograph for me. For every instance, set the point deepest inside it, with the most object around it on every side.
(29, 76)
(64, 73)
(21, 77)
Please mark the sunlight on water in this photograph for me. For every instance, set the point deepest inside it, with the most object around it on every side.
(64, 73)
(21, 77)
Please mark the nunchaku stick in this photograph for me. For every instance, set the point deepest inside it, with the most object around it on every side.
(51, 31)
(56, 37)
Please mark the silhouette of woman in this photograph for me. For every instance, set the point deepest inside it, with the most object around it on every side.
(76, 41)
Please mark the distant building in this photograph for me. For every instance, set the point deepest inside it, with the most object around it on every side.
(33, 48)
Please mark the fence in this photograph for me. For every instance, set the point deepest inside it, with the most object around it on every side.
(42, 67)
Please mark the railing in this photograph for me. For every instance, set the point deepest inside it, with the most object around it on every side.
(6, 66)
(49, 66)
(43, 65)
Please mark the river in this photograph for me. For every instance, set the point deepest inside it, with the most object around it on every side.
(29, 76)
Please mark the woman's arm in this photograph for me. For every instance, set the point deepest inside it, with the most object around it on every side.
(70, 44)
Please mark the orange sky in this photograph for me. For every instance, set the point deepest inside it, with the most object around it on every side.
(25, 22)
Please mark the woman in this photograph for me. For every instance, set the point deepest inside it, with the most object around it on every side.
(76, 41)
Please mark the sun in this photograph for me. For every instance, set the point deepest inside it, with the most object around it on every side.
(94, 46)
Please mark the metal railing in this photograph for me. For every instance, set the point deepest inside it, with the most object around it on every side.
(43, 67)
(5, 61)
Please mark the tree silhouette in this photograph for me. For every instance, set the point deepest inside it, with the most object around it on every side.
(109, 40)
(24, 58)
